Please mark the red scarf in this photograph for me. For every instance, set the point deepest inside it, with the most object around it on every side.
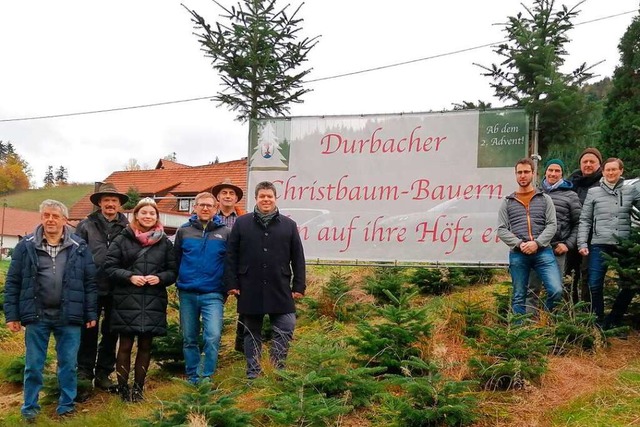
(151, 237)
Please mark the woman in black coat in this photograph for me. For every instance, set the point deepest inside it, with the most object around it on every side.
(140, 265)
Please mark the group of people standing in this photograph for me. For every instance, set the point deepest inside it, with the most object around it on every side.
(102, 287)
(564, 227)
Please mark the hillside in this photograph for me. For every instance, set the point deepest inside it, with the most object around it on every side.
(30, 200)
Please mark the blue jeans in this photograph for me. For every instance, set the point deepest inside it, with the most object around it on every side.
(67, 343)
(211, 307)
(282, 326)
(597, 271)
(545, 265)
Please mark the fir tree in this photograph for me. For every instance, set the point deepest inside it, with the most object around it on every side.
(134, 198)
(203, 406)
(621, 121)
(530, 76)
(49, 177)
(393, 338)
(430, 400)
(510, 354)
(61, 176)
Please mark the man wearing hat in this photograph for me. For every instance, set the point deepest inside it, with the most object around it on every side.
(227, 196)
(583, 179)
(98, 230)
(568, 208)
(589, 174)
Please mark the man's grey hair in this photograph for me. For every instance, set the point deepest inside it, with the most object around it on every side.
(49, 203)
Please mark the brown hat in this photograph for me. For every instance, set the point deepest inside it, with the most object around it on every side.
(227, 184)
(107, 189)
(591, 150)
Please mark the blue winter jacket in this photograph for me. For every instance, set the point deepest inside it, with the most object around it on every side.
(79, 293)
(200, 255)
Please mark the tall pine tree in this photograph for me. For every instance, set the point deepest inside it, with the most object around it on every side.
(529, 76)
(621, 121)
(49, 178)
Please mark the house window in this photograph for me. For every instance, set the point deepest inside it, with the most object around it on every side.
(186, 205)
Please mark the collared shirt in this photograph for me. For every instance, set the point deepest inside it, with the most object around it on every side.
(228, 220)
(52, 250)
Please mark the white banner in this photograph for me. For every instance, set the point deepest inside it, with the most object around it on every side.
(406, 187)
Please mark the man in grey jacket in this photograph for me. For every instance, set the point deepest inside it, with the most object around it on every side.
(527, 224)
(605, 220)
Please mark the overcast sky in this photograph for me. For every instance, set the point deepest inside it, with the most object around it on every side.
(73, 56)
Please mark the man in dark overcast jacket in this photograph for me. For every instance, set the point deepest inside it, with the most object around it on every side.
(265, 270)
(98, 230)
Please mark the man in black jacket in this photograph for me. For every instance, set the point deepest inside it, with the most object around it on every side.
(265, 270)
(583, 179)
(98, 230)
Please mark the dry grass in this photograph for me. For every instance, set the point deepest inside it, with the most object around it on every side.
(568, 378)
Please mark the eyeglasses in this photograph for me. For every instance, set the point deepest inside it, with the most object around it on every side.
(205, 205)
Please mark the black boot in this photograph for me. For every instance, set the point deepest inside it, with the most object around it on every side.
(124, 392)
(104, 383)
(136, 393)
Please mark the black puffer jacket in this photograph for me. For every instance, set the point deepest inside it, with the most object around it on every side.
(139, 309)
(568, 206)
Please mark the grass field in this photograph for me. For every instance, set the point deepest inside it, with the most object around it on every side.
(580, 388)
(30, 200)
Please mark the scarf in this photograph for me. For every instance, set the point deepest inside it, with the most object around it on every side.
(547, 187)
(264, 219)
(151, 237)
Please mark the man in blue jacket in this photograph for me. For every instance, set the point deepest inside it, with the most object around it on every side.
(200, 248)
(50, 289)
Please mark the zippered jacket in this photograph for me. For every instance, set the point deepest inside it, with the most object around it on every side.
(78, 299)
(606, 214)
(139, 309)
(92, 230)
(568, 208)
(200, 255)
(517, 224)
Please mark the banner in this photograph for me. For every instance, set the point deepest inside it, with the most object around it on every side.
(423, 187)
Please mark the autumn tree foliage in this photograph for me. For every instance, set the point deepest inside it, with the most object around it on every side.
(14, 171)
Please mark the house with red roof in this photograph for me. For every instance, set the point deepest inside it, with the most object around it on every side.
(14, 225)
(172, 185)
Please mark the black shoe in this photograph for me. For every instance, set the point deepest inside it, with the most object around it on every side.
(124, 392)
(137, 393)
(29, 418)
(104, 383)
(67, 414)
(82, 395)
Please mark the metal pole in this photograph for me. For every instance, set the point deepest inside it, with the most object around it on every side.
(4, 207)
(534, 149)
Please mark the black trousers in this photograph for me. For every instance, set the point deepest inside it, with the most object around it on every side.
(88, 365)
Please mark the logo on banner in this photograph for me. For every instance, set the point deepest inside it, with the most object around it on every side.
(272, 149)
